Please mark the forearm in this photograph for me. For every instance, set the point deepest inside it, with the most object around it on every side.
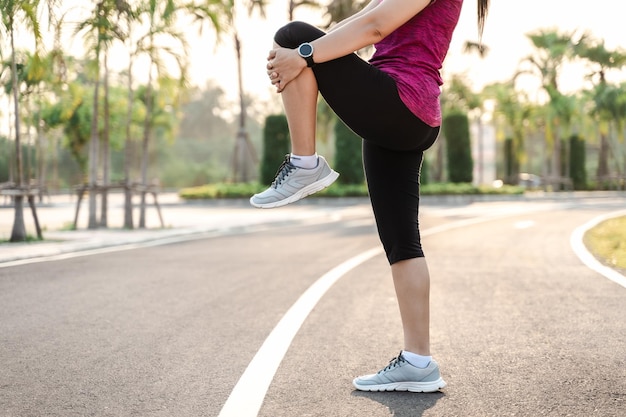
(344, 40)
(376, 21)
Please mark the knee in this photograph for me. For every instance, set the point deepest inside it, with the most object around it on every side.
(294, 33)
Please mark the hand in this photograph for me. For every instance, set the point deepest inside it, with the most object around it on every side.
(284, 65)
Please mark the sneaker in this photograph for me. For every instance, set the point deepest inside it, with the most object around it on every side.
(293, 183)
(400, 375)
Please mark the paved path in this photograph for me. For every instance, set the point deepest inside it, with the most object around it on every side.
(520, 325)
(182, 221)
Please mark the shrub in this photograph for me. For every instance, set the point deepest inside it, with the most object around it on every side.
(348, 155)
(276, 144)
(245, 190)
(459, 152)
(577, 161)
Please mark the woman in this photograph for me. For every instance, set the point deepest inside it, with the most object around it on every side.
(392, 102)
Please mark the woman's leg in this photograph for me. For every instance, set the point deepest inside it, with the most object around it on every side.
(300, 104)
(412, 284)
(393, 182)
(302, 173)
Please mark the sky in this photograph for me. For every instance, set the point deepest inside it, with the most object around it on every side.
(505, 33)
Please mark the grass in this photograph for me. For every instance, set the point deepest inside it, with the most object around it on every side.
(29, 239)
(607, 241)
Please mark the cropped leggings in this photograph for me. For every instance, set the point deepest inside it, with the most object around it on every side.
(394, 139)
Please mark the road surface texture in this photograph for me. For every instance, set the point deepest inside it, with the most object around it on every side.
(520, 326)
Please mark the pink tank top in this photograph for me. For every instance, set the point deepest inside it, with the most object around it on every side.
(413, 54)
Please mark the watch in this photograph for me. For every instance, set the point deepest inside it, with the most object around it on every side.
(305, 50)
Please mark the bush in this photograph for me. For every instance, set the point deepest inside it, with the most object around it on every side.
(221, 190)
(276, 144)
(348, 155)
(577, 161)
(459, 152)
(468, 189)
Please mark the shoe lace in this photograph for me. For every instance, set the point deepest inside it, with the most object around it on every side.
(283, 172)
(393, 363)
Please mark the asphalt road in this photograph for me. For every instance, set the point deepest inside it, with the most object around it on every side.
(519, 325)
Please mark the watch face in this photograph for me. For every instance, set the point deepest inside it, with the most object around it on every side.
(306, 50)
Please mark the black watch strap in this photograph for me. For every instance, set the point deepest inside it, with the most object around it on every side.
(305, 50)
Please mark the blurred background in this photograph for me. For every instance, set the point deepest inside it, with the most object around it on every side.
(140, 96)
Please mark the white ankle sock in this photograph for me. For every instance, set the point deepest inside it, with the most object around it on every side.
(306, 162)
(416, 360)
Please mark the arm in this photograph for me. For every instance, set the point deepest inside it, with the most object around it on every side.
(365, 28)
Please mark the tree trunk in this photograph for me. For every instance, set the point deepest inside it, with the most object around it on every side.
(93, 151)
(603, 157)
(144, 151)
(128, 195)
(243, 147)
(18, 234)
(55, 145)
(41, 156)
(106, 156)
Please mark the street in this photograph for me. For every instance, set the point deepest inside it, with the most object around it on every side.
(519, 325)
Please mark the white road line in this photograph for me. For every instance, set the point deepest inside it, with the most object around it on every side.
(576, 241)
(248, 395)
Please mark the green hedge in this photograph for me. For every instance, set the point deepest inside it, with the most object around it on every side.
(459, 152)
(348, 155)
(276, 144)
(245, 190)
(577, 161)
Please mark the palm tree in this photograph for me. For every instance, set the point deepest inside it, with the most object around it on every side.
(14, 12)
(131, 17)
(476, 104)
(244, 150)
(160, 18)
(32, 77)
(552, 50)
(610, 108)
(513, 108)
(605, 97)
(119, 8)
(101, 31)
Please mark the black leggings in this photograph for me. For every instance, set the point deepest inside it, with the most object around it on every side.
(394, 139)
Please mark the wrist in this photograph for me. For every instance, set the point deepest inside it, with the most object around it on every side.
(305, 50)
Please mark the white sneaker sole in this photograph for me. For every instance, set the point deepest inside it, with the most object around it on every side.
(404, 386)
(306, 191)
